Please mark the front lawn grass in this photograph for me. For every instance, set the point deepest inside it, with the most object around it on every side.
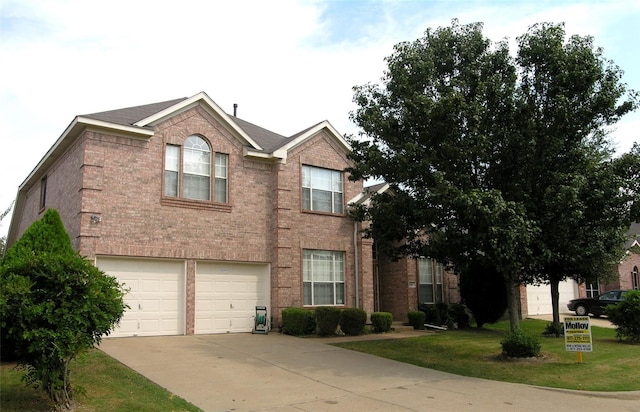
(104, 385)
(612, 366)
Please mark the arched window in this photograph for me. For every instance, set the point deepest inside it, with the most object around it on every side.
(189, 175)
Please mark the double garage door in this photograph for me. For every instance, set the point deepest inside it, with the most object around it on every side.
(225, 295)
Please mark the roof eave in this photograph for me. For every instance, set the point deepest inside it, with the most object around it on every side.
(279, 155)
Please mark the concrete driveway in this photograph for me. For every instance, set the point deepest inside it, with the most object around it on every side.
(245, 372)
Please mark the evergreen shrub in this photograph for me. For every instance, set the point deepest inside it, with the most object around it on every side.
(416, 319)
(327, 319)
(458, 314)
(352, 321)
(298, 321)
(517, 344)
(381, 321)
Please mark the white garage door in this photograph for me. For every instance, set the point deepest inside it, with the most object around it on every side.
(227, 295)
(156, 296)
(539, 297)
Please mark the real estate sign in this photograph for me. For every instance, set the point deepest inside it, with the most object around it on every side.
(577, 334)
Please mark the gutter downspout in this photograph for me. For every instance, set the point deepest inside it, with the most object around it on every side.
(355, 253)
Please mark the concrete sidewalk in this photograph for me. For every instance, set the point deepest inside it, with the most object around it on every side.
(244, 372)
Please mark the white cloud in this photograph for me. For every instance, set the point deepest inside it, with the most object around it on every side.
(288, 64)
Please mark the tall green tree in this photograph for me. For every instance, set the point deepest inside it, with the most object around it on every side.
(495, 161)
(433, 130)
(567, 96)
(54, 305)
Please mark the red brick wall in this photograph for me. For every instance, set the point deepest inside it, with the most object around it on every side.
(120, 180)
(296, 230)
(395, 294)
(625, 268)
(64, 191)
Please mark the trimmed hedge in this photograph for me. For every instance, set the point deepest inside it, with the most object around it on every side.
(381, 321)
(352, 321)
(327, 319)
(298, 321)
(416, 319)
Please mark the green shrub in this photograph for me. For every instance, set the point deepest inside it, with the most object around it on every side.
(352, 321)
(626, 316)
(54, 305)
(517, 344)
(298, 321)
(555, 329)
(458, 314)
(327, 319)
(431, 313)
(443, 314)
(416, 319)
(381, 321)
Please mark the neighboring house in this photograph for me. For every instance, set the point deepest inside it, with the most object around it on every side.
(628, 276)
(538, 298)
(204, 216)
(401, 286)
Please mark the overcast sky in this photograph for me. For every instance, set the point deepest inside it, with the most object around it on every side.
(287, 64)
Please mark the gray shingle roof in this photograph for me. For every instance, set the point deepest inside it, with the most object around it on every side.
(268, 140)
(130, 115)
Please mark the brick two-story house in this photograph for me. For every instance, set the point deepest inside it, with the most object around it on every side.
(203, 215)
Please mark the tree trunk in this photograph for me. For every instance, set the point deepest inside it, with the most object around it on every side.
(554, 282)
(513, 304)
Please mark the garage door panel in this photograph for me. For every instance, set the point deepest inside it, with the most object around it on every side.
(227, 294)
(156, 296)
(539, 297)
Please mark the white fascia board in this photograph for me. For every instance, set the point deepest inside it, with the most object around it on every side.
(322, 125)
(214, 109)
(279, 155)
(381, 190)
(135, 130)
(368, 201)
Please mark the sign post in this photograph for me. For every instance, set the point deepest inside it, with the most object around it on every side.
(577, 335)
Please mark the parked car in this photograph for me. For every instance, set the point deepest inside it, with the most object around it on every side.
(596, 306)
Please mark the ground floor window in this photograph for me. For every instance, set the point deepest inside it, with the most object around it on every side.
(430, 281)
(323, 277)
(593, 290)
(635, 279)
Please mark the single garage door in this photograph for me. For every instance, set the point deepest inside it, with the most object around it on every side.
(227, 295)
(539, 297)
(156, 296)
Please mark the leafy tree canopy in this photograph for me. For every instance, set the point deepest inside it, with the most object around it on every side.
(493, 160)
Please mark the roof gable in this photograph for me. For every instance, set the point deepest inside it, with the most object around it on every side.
(210, 106)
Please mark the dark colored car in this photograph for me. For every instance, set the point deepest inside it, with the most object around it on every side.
(595, 306)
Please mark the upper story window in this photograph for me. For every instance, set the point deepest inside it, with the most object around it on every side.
(188, 174)
(322, 190)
